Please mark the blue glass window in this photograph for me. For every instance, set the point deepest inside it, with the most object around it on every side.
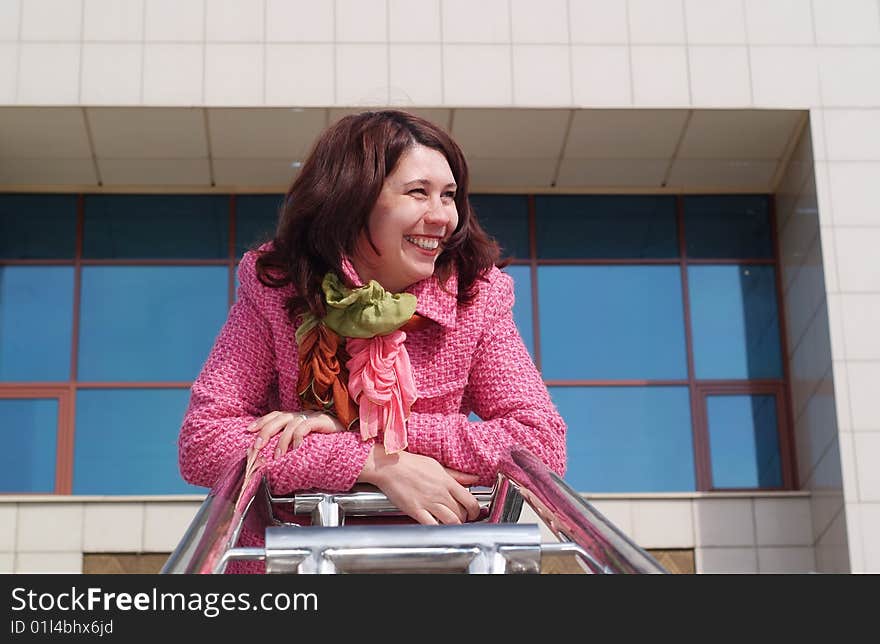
(733, 226)
(743, 441)
(37, 226)
(735, 321)
(126, 442)
(156, 227)
(256, 217)
(522, 305)
(36, 320)
(29, 430)
(149, 323)
(606, 227)
(506, 218)
(611, 322)
(628, 439)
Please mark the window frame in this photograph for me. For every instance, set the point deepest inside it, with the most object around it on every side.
(64, 395)
(774, 388)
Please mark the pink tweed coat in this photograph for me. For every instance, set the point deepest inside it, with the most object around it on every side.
(471, 359)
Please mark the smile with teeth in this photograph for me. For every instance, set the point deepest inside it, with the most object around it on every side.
(425, 243)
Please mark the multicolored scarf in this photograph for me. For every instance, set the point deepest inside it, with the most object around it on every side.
(353, 362)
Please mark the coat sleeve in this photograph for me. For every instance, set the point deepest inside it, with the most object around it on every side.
(237, 385)
(506, 391)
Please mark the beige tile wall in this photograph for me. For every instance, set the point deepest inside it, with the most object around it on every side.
(806, 249)
(851, 153)
(719, 53)
(736, 533)
(53, 535)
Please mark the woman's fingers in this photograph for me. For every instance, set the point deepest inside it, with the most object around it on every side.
(259, 422)
(302, 430)
(294, 427)
(314, 425)
(278, 423)
(421, 487)
(468, 502)
(266, 427)
(286, 436)
(450, 506)
(446, 515)
(308, 425)
(424, 517)
(295, 430)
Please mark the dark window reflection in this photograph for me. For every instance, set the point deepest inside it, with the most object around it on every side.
(37, 226)
(256, 217)
(606, 227)
(156, 227)
(731, 227)
(506, 218)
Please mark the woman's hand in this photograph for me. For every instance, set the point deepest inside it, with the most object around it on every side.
(421, 487)
(294, 427)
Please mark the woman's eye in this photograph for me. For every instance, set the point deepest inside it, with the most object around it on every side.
(449, 195)
(420, 191)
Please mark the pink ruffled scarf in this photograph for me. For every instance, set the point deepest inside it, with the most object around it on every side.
(381, 383)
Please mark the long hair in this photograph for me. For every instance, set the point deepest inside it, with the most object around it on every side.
(328, 205)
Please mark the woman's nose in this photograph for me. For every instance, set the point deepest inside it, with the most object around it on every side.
(436, 211)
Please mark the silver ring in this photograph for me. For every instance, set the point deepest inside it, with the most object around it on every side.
(303, 416)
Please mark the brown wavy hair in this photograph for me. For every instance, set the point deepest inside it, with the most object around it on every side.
(328, 206)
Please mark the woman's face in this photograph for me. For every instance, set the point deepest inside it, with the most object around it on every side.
(414, 214)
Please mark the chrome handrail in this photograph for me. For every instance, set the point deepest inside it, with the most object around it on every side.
(233, 501)
(241, 497)
(327, 509)
(606, 548)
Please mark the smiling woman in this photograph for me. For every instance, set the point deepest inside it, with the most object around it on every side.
(368, 333)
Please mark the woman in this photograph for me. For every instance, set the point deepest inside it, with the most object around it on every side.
(368, 330)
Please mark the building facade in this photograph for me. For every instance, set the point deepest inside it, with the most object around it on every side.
(682, 185)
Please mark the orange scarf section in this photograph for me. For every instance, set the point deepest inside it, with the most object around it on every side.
(322, 382)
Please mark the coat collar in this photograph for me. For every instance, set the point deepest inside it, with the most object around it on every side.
(434, 302)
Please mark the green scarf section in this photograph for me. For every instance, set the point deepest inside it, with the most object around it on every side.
(363, 312)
